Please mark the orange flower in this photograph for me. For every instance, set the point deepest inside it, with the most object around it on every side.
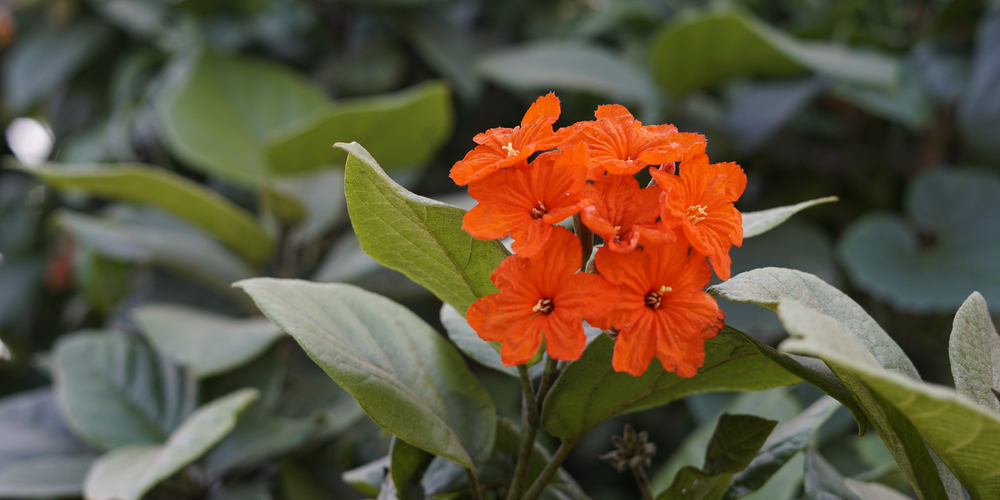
(526, 202)
(663, 310)
(542, 296)
(623, 214)
(505, 147)
(620, 145)
(700, 200)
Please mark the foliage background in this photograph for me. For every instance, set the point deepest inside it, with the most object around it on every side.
(899, 119)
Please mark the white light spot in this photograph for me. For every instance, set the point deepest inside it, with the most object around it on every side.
(4, 353)
(30, 140)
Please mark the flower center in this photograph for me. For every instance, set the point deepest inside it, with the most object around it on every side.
(539, 211)
(696, 213)
(653, 297)
(543, 306)
(617, 236)
(509, 148)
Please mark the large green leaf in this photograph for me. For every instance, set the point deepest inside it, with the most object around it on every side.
(129, 472)
(53, 476)
(402, 130)
(417, 236)
(757, 223)
(543, 66)
(406, 466)
(32, 427)
(765, 287)
(905, 412)
(206, 343)
(169, 192)
(589, 391)
(974, 351)
(954, 213)
(403, 373)
(98, 374)
(218, 117)
(709, 49)
(178, 248)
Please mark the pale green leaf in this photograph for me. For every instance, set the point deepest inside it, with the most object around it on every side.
(589, 391)
(974, 351)
(403, 373)
(45, 477)
(205, 342)
(873, 491)
(317, 198)
(821, 477)
(417, 236)
(485, 353)
(403, 130)
(129, 472)
(708, 49)
(219, 115)
(169, 192)
(32, 427)
(106, 373)
(757, 223)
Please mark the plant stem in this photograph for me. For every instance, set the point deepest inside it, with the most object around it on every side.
(473, 485)
(529, 429)
(643, 481)
(549, 470)
(548, 378)
(586, 239)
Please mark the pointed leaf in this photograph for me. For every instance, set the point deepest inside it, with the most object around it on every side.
(129, 472)
(169, 192)
(402, 130)
(757, 223)
(207, 343)
(218, 117)
(417, 236)
(106, 373)
(403, 373)
(974, 350)
(589, 391)
(734, 444)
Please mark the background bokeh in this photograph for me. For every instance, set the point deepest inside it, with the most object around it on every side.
(892, 106)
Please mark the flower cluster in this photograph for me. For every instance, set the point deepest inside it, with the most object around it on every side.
(647, 281)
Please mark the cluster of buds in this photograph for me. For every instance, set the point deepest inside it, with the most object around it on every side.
(647, 280)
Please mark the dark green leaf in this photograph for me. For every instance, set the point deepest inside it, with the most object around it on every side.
(693, 484)
(417, 236)
(906, 104)
(589, 391)
(735, 443)
(974, 351)
(450, 50)
(979, 105)
(821, 477)
(403, 130)
(206, 343)
(758, 110)
(218, 117)
(105, 373)
(45, 477)
(406, 466)
(403, 373)
(954, 211)
(127, 473)
(257, 438)
(757, 223)
(709, 49)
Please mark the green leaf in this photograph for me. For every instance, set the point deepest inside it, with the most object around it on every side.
(448, 49)
(873, 491)
(542, 66)
(257, 438)
(32, 427)
(316, 200)
(757, 110)
(735, 443)
(821, 477)
(979, 104)
(485, 353)
(405, 376)
(98, 374)
(757, 223)
(103, 281)
(765, 287)
(43, 59)
(207, 343)
(784, 443)
(45, 477)
(129, 472)
(368, 478)
(417, 236)
(589, 391)
(178, 248)
(709, 49)
(907, 104)
(406, 466)
(219, 116)
(403, 130)
(185, 199)
(974, 351)
(905, 412)
(953, 211)
(693, 484)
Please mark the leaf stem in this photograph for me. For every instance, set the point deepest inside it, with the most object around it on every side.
(643, 481)
(473, 484)
(586, 239)
(550, 470)
(548, 378)
(529, 429)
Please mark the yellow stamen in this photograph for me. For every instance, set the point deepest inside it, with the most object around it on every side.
(543, 306)
(698, 210)
(509, 148)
